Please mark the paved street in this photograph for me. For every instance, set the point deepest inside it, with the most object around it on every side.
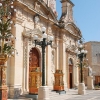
(73, 95)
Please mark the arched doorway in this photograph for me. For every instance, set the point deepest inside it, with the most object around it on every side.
(33, 58)
(34, 71)
(70, 85)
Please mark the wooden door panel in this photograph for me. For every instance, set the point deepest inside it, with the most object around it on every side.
(97, 80)
(70, 68)
(34, 58)
(34, 71)
(70, 77)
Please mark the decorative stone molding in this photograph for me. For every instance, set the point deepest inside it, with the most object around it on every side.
(52, 5)
(37, 6)
(25, 48)
(19, 21)
(31, 33)
(70, 51)
(64, 38)
(50, 31)
(61, 24)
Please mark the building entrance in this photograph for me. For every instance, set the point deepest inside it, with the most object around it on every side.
(97, 80)
(34, 58)
(70, 76)
(34, 71)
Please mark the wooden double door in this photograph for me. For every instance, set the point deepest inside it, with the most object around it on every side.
(33, 58)
(34, 71)
(70, 78)
(97, 80)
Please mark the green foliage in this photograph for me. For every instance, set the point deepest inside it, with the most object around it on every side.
(8, 49)
(6, 21)
(4, 28)
(5, 36)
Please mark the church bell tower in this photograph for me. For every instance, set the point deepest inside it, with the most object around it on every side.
(67, 12)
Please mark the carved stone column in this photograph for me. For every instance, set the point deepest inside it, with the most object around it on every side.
(3, 86)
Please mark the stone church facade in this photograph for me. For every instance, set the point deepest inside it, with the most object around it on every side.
(31, 16)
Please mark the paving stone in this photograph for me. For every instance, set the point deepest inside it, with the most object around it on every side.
(72, 95)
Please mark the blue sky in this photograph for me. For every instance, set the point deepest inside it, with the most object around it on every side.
(86, 14)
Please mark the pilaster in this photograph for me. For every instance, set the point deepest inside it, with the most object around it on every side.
(57, 53)
(16, 65)
(49, 72)
(62, 58)
(60, 53)
(64, 65)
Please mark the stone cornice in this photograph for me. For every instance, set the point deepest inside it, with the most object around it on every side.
(67, 30)
(74, 26)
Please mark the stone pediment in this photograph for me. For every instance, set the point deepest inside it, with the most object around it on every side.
(39, 7)
(45, 10)
(73, 29)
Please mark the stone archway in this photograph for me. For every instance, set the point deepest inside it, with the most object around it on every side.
(70, 78)
(34, 71)
(34, 58)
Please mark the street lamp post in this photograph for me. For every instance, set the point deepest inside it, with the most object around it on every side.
(43, 92)
(81, 53)
(43, 43)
